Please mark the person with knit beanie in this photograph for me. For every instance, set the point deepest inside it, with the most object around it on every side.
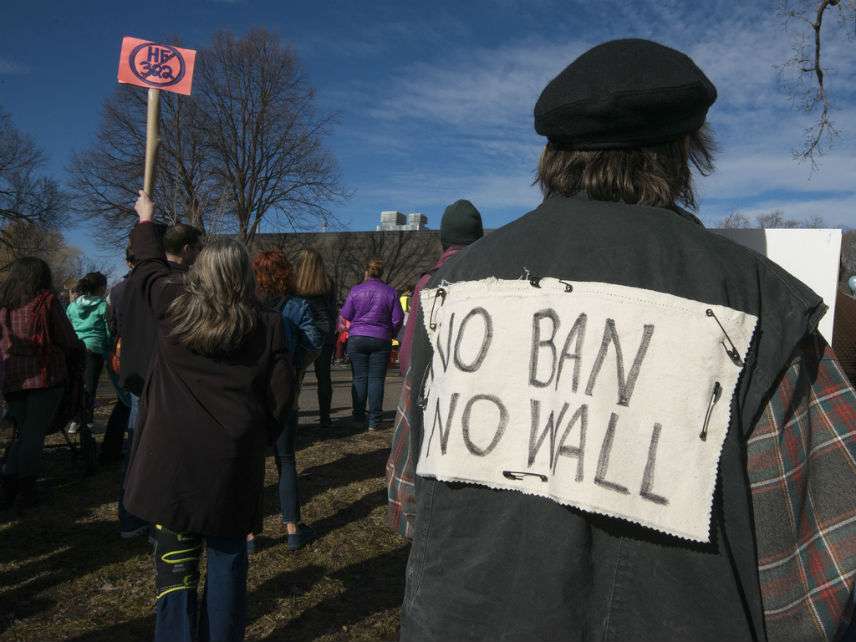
(461, 226)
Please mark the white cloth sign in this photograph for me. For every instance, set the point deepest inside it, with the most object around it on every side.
(612, 399)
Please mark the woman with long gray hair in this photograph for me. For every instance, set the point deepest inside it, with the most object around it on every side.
(217, 393)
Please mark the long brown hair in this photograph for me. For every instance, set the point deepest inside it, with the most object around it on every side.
(310, 277)
(26, 278)
(218, 308)
(659, 176)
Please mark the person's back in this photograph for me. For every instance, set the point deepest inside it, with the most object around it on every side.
(205, 418)
(373, 309)
(88, 316)
(302, 336)
(33, 357)
(375, 314)
(218, 391)
(136, 326)
(40, 357)
(591, 374)
(324, 312)
(460, 227)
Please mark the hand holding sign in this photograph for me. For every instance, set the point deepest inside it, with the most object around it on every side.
(156, 66)
(144, 207)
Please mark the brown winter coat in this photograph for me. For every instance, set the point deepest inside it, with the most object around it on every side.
(205, 422)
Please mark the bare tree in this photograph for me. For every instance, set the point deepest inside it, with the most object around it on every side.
(106, 177)
(810, 90)
(263, 140)
(245, 150)
(771, 220)
(25, 195)
(735, 220)
(67, 263)
(406, 254)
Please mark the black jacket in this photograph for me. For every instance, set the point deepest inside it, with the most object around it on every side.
(503, 565)
(205, 422)
(138, 329)
(325, 312)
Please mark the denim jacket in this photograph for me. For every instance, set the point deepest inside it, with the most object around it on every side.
(302, 337)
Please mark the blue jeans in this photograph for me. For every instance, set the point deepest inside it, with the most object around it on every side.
(369, 357)
(127, 521)
(286, 464)
(223, 615)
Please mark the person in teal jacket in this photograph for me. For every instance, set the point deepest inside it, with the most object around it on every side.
(88, 316)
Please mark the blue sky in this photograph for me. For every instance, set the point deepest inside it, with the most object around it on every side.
(435, 98)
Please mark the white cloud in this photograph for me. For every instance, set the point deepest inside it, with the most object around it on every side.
(748, 175)
(472, 107)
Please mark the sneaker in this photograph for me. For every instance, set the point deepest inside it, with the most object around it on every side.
(73, 427)
(301, 538)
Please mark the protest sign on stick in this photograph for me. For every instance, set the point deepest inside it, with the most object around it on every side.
(155, 66)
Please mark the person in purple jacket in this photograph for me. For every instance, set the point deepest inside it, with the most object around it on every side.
(376, 316)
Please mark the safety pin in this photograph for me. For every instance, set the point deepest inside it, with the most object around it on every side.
(568, 286)
(732, 352)
(717, 392)
(534, 281)
(518, 476)
(441, 293)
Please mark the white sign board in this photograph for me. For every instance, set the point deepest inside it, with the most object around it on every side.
(612, 399)
(812, 256)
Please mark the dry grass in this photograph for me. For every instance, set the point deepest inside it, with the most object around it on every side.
(66, 575)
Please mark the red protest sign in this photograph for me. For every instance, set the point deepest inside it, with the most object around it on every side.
(149, 64)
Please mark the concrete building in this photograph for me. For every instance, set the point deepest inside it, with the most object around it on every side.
(395, 221)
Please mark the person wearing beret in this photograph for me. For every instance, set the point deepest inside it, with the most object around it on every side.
(623, 426)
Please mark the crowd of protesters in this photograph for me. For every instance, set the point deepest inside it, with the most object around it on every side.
(208, 347)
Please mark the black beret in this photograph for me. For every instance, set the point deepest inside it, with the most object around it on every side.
(624, 93)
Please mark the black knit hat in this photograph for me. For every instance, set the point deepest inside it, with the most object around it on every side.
(461, 224)
(623, 94)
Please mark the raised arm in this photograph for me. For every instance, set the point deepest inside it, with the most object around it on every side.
(151, 273)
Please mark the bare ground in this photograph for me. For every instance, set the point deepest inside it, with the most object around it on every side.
(65, 574)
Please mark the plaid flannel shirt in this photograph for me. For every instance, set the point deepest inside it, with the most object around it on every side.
(801, 464)
(400, 467)
(35, 343)
(801, 461)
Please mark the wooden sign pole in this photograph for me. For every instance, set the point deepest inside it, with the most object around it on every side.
(152, 140)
